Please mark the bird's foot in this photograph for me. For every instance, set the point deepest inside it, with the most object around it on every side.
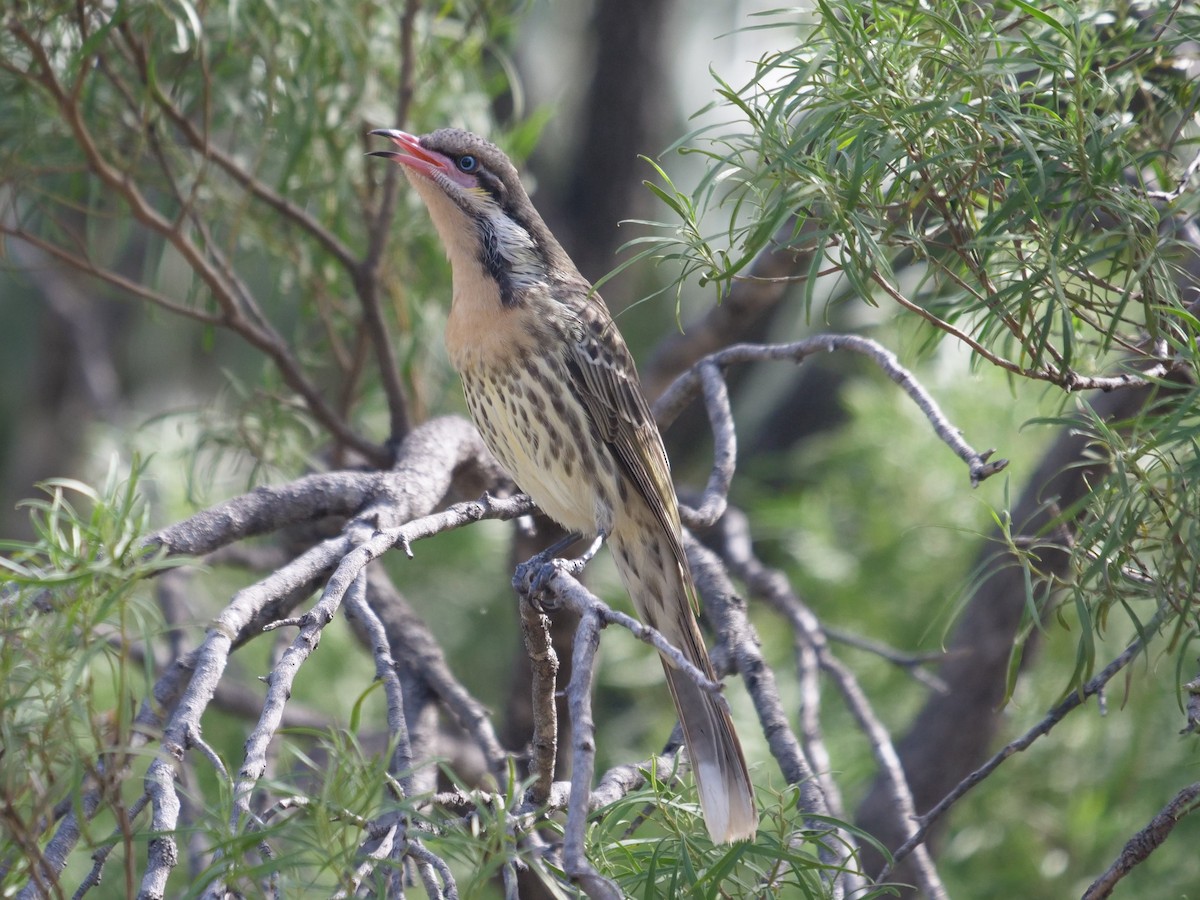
(532, 576)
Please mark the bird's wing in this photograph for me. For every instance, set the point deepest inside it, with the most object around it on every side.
(608, 388)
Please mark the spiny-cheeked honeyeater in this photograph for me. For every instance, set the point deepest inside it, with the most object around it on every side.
(553, 389)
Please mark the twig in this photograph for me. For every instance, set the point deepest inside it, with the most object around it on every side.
(1067, 379)
(194, 739)
(210, 661)
(570, 593)
(685, 387)
(283, 673)
(100, 856)
(401, 764)
(383, 838)
(366, 274)
(1095, 686)
(426, 859)
(720, 415)
(773, 587)
(912, 663)
(299, 801)
(1146, 841)
(416, 646)
(583, 760)
(86, 266)
(535, 628)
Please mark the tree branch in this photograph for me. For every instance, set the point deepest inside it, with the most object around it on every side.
(1146, 841)
(1053, 717)
(535, 628)
(583, 759)
(684, 388)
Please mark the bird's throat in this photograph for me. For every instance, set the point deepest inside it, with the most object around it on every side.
(483, 331)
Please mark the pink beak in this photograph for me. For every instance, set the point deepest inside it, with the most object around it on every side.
(414, 156)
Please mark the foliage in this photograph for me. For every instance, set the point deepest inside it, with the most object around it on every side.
(1014, 175)
(1010, 175)
(673, 857)
(197, 158)
(72, 608)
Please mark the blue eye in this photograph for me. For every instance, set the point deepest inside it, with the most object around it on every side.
(468, 163)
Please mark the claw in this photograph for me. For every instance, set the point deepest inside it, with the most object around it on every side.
(532, 576)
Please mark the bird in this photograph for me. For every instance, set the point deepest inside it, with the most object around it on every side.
(553, 390)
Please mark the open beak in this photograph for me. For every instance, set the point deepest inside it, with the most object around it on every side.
(413, 155)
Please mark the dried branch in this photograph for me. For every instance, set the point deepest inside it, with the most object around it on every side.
(430, 457)
(401, 764)
(101, 853)
(738, 639)
(911, 663)
(686, 386)
(535, 628)
(1146, 841)
(583, 759)
(1074, 700)
(417, 648)
(566, 591)
(772, 586)
(720, 415)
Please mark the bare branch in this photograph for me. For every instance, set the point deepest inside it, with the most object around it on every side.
(1146, 841)
(716, 492)
(209, 664)
(416, 646)
(565, 589)
(426, 859)
(402, 761)
(583, 760)
(535, 628)
(912, 663)
(737, 637)
(685, 387)
(773, 587)
(101, 854)
(1074, 700)
(426, 465)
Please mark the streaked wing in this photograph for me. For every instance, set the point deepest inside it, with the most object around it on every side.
(608, 388)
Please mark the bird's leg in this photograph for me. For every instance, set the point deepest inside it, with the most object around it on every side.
(587, 555)
(533, 574)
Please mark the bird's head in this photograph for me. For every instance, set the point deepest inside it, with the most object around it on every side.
(474, 174)
(478, 205)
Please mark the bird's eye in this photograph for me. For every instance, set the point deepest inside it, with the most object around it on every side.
(468, 163)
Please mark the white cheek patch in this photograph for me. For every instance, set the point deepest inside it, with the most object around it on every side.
(516, 247)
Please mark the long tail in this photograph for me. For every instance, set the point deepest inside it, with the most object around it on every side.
(662, 592)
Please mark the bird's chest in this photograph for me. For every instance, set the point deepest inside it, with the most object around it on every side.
(531, 421)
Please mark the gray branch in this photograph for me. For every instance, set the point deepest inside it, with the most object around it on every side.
(583, 759)
(1146, 841)
(687, 385)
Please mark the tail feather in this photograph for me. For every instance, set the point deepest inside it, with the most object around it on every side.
(662, 592)
(726, 795)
